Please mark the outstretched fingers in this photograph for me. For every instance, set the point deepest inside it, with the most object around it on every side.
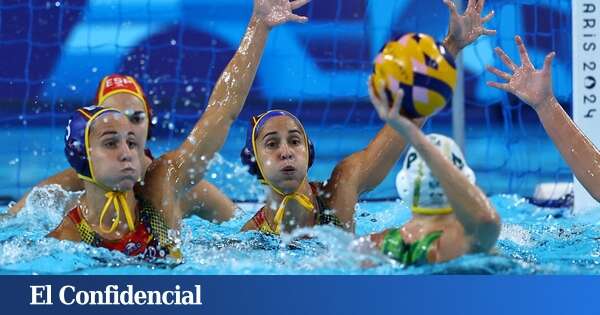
(489, 32)
(298, 4)
(505, 59)
(298, 18)
(451, 6)
(499, 73)
(471, 5)
(523, 52)
(488, 17)
(548, 62)
(479, 5)
(502, 86)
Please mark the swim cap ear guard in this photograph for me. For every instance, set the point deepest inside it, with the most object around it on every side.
(256, 122)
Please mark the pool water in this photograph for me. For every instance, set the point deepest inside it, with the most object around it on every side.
(533, 241)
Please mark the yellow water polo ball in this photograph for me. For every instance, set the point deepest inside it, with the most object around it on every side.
(421, 67)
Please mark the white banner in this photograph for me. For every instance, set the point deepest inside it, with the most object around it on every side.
(586, 82)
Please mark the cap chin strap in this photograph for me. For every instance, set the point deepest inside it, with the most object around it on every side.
(119, 202)
(302, 199)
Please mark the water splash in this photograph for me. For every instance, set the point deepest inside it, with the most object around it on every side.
(533, 241)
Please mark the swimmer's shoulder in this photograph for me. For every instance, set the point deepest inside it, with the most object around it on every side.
(156, 192)
(69, 180)
(254, 223)
(67, 230)
(324, 192)
(161, 176)
(249, 226)
(157, 171)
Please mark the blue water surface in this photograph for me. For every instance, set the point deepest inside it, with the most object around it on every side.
(533, 241)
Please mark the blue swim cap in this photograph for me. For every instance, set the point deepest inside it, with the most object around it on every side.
(77, 137)
(248, 155)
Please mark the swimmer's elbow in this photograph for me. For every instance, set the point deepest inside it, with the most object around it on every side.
(249, 226)
(487, 232)
(491, 218)
(346, 172)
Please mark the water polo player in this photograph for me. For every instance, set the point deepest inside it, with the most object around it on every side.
(102, 147)
(451, 216)
(124, 93)
(279, 152)
(534, 87)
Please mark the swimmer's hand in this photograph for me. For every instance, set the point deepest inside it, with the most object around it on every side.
(277, 12)
(532, 86)
(390, 115)
(465, 29)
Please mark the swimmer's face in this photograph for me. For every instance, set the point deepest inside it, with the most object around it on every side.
(282, 150)
(115, 151)
(133, 108)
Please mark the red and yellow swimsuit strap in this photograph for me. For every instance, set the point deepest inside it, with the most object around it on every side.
(261, 222)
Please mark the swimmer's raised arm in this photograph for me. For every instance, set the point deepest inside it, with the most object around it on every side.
(374, 162)
(364, 170)
(534, 87)
(470, 204)
(67, 179)
(186, 166)
(466, 28)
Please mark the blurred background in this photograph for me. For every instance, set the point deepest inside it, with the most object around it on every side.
(54, 53)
